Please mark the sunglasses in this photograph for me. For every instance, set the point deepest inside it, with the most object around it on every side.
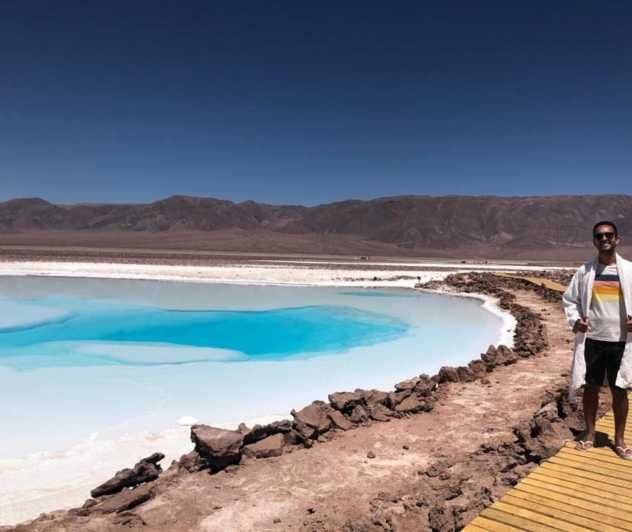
(599, 236)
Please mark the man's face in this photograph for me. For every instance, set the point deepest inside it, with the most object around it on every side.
(604, 238)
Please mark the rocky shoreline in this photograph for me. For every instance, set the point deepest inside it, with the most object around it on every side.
(453, 490)
(445, 499)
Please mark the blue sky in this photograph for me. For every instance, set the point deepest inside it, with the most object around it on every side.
(296, 102)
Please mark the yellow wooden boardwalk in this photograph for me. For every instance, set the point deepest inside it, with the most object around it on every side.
(573, 490)
(542, 281)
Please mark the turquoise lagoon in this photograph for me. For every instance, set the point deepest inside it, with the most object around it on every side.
(102, 359)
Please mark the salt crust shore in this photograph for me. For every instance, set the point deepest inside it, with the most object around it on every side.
(24, 503)
(300, 273)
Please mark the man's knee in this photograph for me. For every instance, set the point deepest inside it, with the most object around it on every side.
(619, 394)
(591, 389)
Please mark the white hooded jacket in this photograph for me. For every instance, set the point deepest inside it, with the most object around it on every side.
(576, 301)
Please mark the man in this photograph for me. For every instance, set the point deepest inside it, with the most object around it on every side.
(598, 304)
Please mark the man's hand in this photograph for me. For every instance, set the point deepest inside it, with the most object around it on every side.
(629, 323)
(581, 325)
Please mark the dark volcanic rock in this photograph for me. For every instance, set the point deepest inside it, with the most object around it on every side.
(490, 357)
(129, 520)
(394, 398)
(346, 401)
(359, 415)
(372, 397)
(125, 500)
(154, 458)
(218, 447)
(424, 386)
(270, 446)
(448, 374)
(476, 503)
(339, 420)
(259, 432)
(546, 432)
(304, 431)
(193, 462)
(505, 356)
(406, 385)
(413, 404)
(144, 471)
(312, 420)
(293, 438)
(379, 412)
(478, 368)
(465, 374)
(301, 433)
(442, 519)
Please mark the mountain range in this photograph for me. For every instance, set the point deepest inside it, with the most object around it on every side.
(410, 224)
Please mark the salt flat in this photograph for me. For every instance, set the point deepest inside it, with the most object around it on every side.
(67, 480)
(302, 272)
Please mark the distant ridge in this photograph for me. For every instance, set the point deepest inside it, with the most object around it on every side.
(408, 222)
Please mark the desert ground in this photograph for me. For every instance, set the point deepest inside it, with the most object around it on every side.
(218, 246)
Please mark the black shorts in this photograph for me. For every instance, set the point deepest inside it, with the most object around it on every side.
(602, 358)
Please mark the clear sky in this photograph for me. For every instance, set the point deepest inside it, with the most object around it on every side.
(311, 102)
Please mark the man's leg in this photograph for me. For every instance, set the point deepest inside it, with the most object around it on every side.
(620, 408)
(595, 358)
(591, 404)
(619, 395)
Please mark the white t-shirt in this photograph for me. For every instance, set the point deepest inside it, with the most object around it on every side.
(606, 318)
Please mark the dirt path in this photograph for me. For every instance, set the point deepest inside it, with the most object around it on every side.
(334, 484)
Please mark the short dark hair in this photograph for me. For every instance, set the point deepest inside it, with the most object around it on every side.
(606, 222)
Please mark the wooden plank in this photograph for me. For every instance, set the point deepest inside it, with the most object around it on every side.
(595, 517)
(608, 424)
(598, 454)
(571, 497)
(600, 461)
(578, 477)
(473, 528)
(493, 514)
(552, 466)
(545, 512)
(609, 429)
(535, 280)
(619, 471)
(606, 456)
(609, 433)
(610, 421)
(494, 526)
(589, 467)
(588, 491)
(608, 451)
(523, 518)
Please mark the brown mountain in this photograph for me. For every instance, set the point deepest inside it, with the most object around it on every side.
(407, 223)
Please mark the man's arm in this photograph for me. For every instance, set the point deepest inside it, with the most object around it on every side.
(572, 305)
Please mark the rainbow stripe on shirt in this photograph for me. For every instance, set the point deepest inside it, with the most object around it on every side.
(607, 289)
(606, 318)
